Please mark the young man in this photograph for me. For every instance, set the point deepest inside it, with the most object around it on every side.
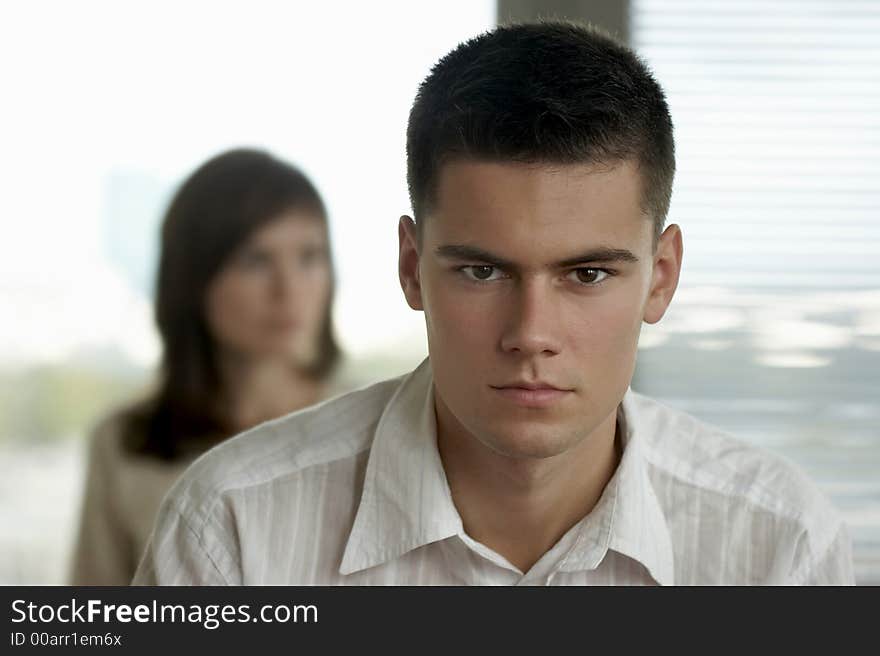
(540, 171)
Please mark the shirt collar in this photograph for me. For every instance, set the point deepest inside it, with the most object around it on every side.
(406, 502)
(628, 518)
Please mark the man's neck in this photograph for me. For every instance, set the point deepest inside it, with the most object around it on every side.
(521, 507)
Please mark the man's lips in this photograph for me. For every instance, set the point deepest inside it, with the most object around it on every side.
(531, 394)
(536, 385)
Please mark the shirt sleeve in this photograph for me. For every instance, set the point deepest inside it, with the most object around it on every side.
(834, 566)
(103, 553)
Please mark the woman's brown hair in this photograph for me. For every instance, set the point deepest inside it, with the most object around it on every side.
(213, 212)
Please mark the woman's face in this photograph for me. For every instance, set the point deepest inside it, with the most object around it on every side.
(270, 297)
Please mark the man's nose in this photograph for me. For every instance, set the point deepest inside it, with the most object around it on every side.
(533, 321)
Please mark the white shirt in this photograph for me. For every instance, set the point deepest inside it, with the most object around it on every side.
(353, 492)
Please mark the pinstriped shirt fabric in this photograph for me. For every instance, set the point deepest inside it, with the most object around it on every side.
(353, 492)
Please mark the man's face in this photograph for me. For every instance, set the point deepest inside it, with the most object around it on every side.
(535, 280)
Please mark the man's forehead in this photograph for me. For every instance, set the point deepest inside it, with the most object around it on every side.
(538, 207)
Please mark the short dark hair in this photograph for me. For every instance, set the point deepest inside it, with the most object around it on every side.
(555, 92)
(216, 209)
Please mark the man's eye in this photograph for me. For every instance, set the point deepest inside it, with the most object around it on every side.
(589, 276)
(481, 272)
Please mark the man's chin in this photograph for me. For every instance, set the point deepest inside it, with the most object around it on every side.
(534, 444)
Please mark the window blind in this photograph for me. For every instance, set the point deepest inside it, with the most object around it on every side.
(775, 331)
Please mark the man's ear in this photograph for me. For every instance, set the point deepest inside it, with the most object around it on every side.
(408, 263)
(664, 279)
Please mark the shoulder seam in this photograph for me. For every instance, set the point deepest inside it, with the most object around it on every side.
(803, 571)
(199, 537)
(245, 486)
(205, 511)
(763, 501)
(219, 487)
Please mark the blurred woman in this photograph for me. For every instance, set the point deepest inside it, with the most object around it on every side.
(243, 307)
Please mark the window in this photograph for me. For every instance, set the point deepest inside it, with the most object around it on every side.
(107, 106)
(775, 331)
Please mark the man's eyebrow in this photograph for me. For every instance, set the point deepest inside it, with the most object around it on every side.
(473, 253)
(461, 252)
(600, 255)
